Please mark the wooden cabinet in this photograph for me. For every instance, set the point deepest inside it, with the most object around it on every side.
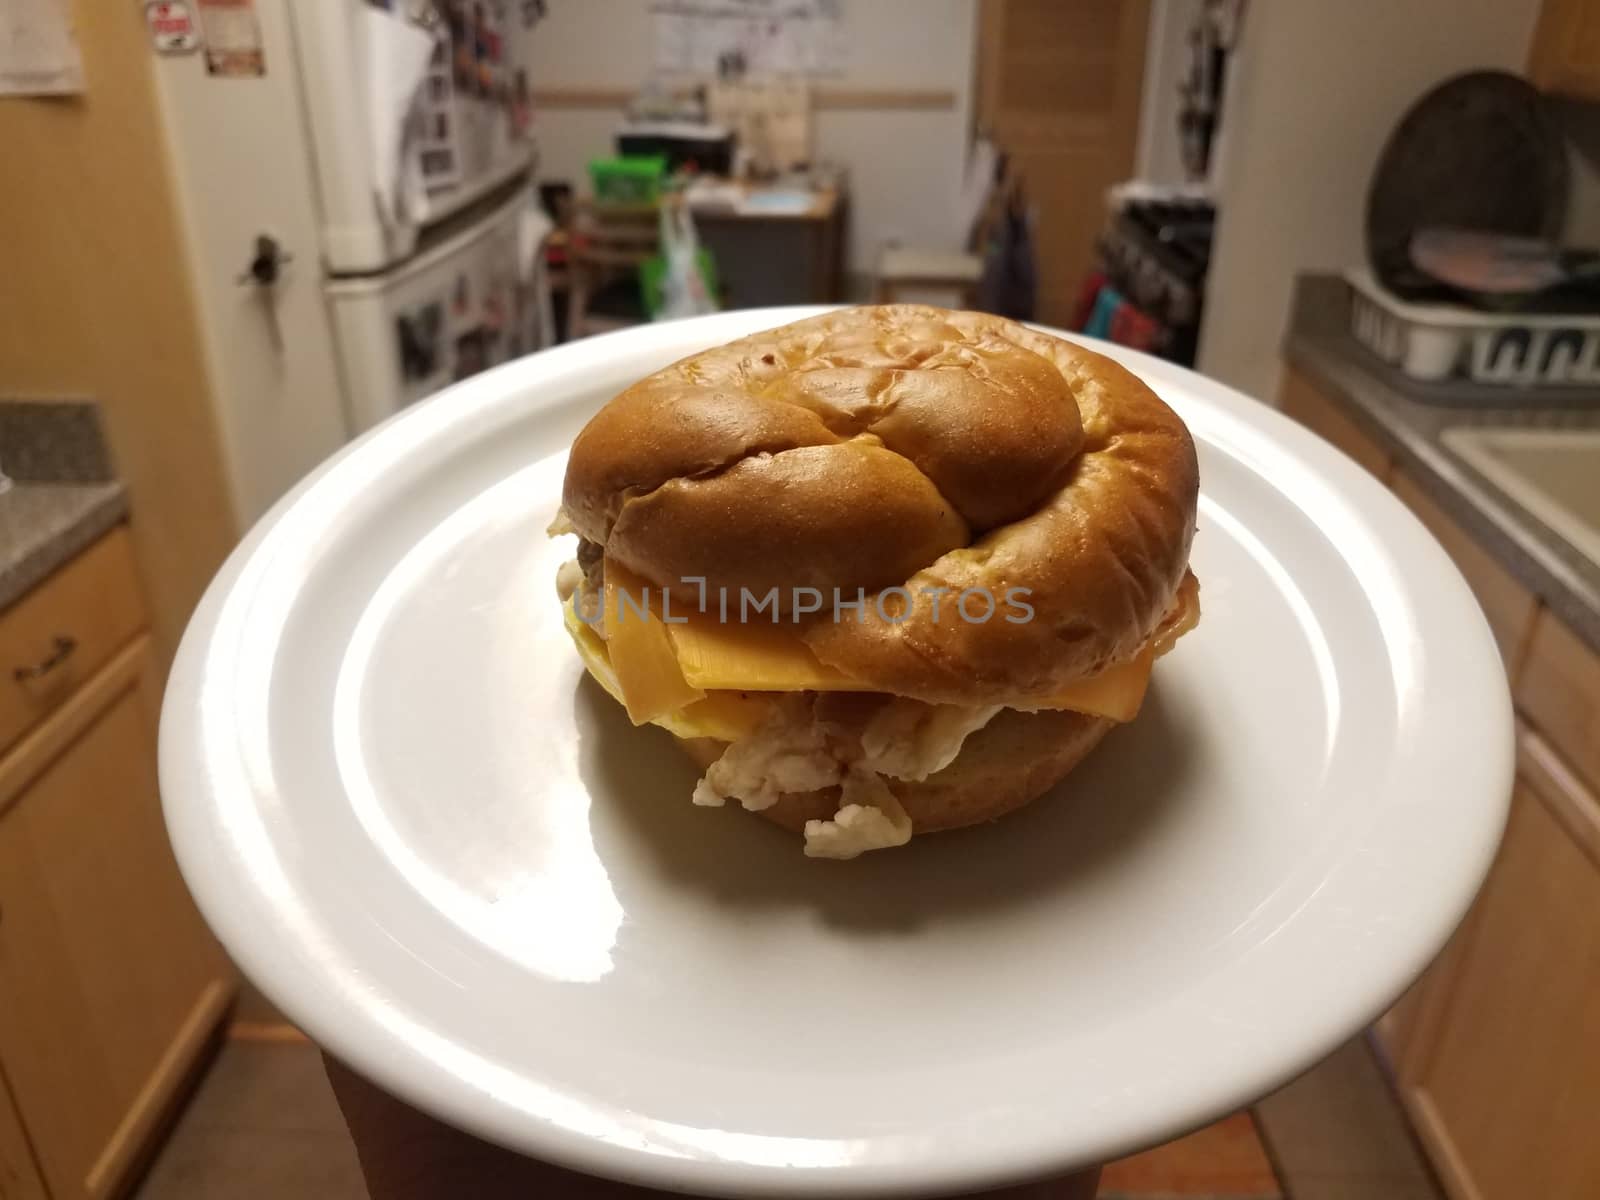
(1496, 1049)
(1559, 690)
(19, 1175)
(1300, 399)
(1565, 54)
(110, 984)
(65, 630)
(1408, 1023)
(1503, 1086)
(1508, 606)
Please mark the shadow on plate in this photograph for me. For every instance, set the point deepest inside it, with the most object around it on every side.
(641, 782)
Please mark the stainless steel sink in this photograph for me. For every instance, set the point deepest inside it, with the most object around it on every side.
(1554, 474)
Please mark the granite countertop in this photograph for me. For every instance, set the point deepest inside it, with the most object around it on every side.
(62, 493)
(1320, 346)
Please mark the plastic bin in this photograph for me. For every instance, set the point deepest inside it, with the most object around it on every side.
(629, 179)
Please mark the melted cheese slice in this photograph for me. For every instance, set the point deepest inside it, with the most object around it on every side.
(647, 670)
(725, 716)
(704, 678)
(753, 657)
(1117, 692)
(773, 658)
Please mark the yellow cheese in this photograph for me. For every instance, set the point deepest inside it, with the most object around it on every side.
(1117, 692)
(725, 716)
(704, 678)
(647, 671)
(593, 652)
(752, 657)
(773, 658)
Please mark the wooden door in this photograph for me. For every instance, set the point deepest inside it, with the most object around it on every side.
(109, 983)
(1565, 55)
(1058, 88)
(1502, 1074)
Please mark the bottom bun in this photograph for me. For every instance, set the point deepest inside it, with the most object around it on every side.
(1015, 758)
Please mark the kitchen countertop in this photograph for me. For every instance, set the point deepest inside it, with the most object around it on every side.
(42, 525)
(1319, 345)
(62, 494)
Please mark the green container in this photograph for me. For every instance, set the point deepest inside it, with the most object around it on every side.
(631, 179)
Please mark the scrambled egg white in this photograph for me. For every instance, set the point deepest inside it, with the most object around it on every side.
(904, 739)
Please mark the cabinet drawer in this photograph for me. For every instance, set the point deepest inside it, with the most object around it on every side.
(63, 631)
(1559, 690)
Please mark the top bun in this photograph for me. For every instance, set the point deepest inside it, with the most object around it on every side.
(905, 445)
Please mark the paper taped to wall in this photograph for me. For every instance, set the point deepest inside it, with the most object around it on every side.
(38, 52)
(755, 37)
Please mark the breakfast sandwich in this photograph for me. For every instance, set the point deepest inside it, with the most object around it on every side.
(889, 570)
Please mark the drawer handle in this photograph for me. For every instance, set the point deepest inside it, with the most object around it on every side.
(61, 650)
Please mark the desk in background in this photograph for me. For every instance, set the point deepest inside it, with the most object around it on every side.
(772, 246)
(775, 245)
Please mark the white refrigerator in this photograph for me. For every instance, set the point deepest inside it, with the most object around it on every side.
(360, 216)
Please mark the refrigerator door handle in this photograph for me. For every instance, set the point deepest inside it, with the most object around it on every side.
(266, 264)
(265, 269)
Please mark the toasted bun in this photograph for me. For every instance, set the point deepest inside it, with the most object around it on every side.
(906, 446)
(1015, 758)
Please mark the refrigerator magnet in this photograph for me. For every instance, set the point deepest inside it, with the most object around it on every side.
(233, 38)
(172, 27)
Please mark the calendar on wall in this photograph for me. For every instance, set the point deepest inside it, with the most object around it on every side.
(734, 38)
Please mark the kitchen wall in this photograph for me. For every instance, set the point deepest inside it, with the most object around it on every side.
(1312, 99)
(905, 165)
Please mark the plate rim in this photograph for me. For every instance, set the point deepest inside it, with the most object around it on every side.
(194, 813)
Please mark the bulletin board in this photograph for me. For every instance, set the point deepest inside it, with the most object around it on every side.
(755, 37)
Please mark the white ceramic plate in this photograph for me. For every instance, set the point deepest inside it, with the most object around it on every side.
(448, 857)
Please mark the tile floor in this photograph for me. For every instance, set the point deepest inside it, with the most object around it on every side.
(1222, 1160)
(1338, 1133)
(263, 1125)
